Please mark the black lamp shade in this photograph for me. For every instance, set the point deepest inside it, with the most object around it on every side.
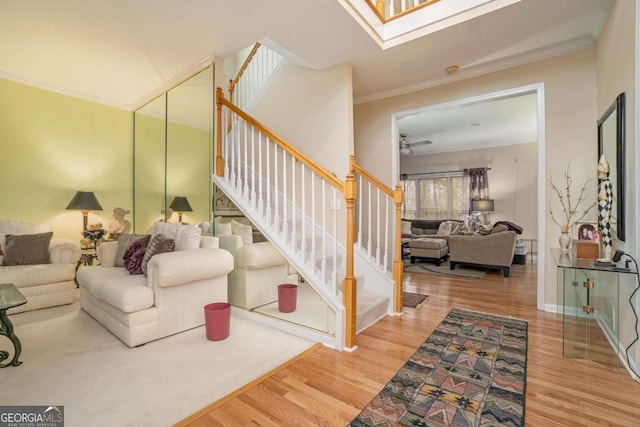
(180, 204)
(84, 201)
(482, 205)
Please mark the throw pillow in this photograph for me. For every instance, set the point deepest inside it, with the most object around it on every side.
(223, 229)
(185, 236)
(483, 230)
(124, 241)
(444, 228)
(157, 245)
(27, 249)
(134, 255)
(406, 228)
(499, 228)
(244, 231)
(13, 226)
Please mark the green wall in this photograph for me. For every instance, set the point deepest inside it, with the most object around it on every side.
(53, 145)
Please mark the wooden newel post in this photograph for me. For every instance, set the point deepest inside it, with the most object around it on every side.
(219, 158)
(380, 7)
(398, 265)
(349, 284)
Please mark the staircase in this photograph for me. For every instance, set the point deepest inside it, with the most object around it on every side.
(297, 205)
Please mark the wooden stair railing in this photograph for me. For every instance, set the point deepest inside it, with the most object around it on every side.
(264, 170)
(253, 76)
(388, 11)
(380, 203)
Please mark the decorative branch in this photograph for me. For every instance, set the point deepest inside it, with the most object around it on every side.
(571, 210)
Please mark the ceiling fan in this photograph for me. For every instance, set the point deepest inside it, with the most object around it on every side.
(405, 146)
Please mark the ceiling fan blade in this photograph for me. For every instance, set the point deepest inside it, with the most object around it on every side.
(425, 142)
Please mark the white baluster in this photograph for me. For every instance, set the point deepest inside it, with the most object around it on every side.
(386, 232)
(245, 159)
(285, 198)
(313, 221)
(232, 151)
(260, 176)
(294, 237)
(268, 189)
(369, 244)
(392, 8)
(359, 225)
(323, 265)
(334, 272)
(403, 5)
(303, 243)
(225, 146)
(378, 233)
(276, 215)
(252, 198)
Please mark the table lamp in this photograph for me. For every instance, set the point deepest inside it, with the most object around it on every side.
(482, 206)
(180, 205)
(84, 201)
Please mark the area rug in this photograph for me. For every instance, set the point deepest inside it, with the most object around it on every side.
(444, 270)
(413, 300)
(70, 359)
(471, 371)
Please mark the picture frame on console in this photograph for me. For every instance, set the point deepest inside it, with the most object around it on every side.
(587, 230)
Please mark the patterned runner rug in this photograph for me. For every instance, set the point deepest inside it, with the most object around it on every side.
(471, 371)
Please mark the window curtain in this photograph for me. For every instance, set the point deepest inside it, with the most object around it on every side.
(476, 185)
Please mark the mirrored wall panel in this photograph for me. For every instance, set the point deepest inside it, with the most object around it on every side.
(173, 154)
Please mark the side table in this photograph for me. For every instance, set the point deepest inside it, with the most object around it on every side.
(9, 297)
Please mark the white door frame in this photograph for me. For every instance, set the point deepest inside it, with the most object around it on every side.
(538, 89)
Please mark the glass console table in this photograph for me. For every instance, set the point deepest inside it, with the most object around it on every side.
(590, 300)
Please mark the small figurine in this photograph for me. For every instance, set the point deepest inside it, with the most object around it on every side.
(120, 224)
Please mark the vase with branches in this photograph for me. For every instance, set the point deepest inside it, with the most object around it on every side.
(574, 208)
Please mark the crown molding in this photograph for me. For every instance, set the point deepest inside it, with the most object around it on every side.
(535, 55)
(61, 90)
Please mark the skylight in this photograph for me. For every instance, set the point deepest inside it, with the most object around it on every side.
(419, 21)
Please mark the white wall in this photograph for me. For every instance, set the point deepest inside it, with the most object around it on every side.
(313, 111)
(570, 116)
(512, 178)
(616, 59)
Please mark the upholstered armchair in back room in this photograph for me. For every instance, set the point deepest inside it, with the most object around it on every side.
(42, 268)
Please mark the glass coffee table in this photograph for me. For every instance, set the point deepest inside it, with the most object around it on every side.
(9, 297)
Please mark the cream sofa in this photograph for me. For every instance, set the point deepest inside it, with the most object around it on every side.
(492, 250)
(169, 299)
(44, 285)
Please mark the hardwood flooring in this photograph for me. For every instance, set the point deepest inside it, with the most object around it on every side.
(329, 388)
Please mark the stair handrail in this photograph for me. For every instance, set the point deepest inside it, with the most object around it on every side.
(398, 199)
(347, 188)
(221, 100)
(233, 82)
(385, 9)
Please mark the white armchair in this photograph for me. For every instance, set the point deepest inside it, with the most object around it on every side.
(44, 285)
(258, 270)
(167, 300)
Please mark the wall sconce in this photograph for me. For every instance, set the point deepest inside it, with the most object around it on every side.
(180, 205)
(84, 201)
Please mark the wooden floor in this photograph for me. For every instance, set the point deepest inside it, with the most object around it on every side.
(329, 388)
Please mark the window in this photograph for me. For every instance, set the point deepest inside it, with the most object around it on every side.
(435, 196)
